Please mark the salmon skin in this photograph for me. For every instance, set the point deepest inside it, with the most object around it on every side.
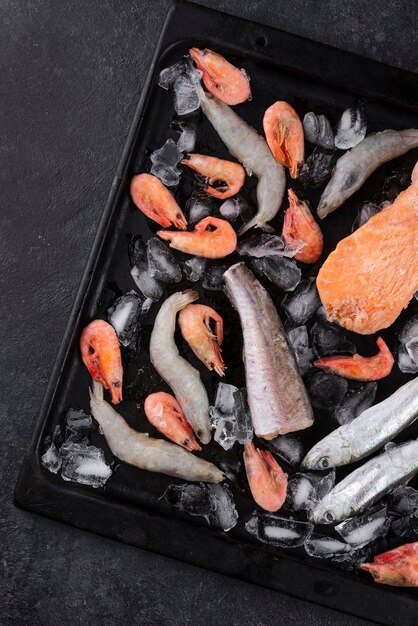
(277, 397)
(373, 274)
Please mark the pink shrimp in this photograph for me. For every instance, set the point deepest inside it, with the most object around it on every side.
(299, 227)
(211, 238)
(398, 567)
(100, 352)
(359, 367)
(194, 322)
(267, 480)
(164, 412)
(284, 134)
(156, 202)
(230, 175)
(222, 79)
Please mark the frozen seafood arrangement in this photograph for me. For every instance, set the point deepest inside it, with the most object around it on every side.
(244, 264)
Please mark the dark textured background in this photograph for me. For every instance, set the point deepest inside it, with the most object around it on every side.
(70, 77)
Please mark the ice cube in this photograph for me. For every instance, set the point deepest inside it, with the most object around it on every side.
(147, 284)
(282, 272)
(231, 468)
(279, 531)
(165, 161)
(321, 547)
(288, 448)
(403, 501)
(78, 424)
(199, 206)
(230, 416)
(304, 491)
(351, 129)
(162, 263)
(408, 334)
(194, 268)
(213, 277)
(367, 210)
(225, 428)
(355, 402)
(303, 302)
(145, 382)
(317, 169)
(52, 460)
(260, 245)
(230, 209)
(299, 340)
(187, 127)
(225, 398)
(84, 464)
(328, 340)
(317, 130)
(412, 349)
(326, 391)
(125, 317)
(406, 526)
(363, 529)
(136, 249)
(244, 431)
(169, 75)
(213, 502)
(187, 90)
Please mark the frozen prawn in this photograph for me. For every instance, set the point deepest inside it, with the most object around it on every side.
(100, 352)
(156, 202)
(359, 367)
(398, 567)
(284, 134)
(164, 412)
(182, 377)
(230, 176)
(211, 238)
(300, 229)
(145, 452)
(194, 322)
(267, 480)
(221, 78)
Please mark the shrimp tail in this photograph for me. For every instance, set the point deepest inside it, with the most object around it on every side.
(184, 298)
(96, 391)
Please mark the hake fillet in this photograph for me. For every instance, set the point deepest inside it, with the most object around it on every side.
(277, 397)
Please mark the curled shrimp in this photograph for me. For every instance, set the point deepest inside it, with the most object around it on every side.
(194, 322)
(164, 412)
(100, 352)
(156, 202)
(299, 227)
(267, 480)
(211, 238)
(398, 567)
(284, 134)
(222, 79)
(359, 367)
(230, 175)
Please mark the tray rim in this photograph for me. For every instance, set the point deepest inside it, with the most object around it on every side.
(31, 474)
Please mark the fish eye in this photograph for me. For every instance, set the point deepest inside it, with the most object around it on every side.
(328, 516)
(324, 463)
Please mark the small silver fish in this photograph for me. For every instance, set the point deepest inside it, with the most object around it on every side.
(251, 149)
(356, 165)
(368, 432)
(367, 484)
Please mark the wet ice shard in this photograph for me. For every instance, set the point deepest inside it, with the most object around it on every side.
(125, 316)
(213, 502)
(187, 127)
(363, 529)
(351, 129)
(317, 130)
(288, 448)
(184, 79)
(305, 490)
(162, 263)
(213, 277)
(147, 284)
(408, 334)
(194, 268)
(326, 391)
(279, 531)
(282, 272)
(329, 340)
(302, 303)
(355, 402)
(165, 162)
(84, 464)
(51, 459)
(78, 425)
(299, 341)
(261, 245)
(230, 416)
(317, 169)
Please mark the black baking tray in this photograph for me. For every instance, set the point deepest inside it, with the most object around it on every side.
(311, 76)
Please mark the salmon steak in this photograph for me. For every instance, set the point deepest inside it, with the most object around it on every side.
(373, 274)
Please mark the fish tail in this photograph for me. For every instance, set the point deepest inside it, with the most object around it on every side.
(252, 223)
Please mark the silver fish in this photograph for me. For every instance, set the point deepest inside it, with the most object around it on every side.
(182, 377)
(145, 452)
(356, 165)
(367, 484)
(368, 432)
(277, 397)
(244, 143)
